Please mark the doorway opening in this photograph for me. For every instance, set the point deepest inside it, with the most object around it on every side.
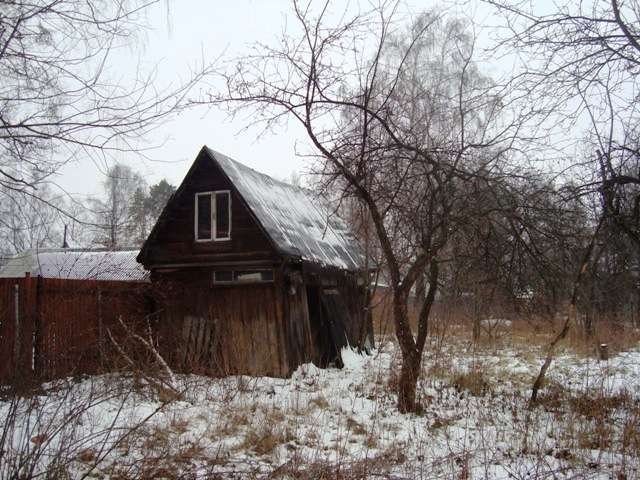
(327, 316)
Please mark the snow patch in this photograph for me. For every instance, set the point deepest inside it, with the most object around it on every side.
(352, 360)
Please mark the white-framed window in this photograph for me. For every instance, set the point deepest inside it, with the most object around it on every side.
(212, 219)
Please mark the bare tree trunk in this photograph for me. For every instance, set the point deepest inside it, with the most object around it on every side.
(410, 369)
(408, 383)
(476, 313)
(591, 309)
(571, 316)
(412, 349)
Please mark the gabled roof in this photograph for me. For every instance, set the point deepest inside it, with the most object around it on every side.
(76, 264)
(298, 224)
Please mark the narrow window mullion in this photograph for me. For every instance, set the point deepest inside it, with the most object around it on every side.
(214, 216)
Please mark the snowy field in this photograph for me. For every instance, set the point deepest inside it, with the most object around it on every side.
(340, 424)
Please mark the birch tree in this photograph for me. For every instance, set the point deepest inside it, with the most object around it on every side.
(112, 217)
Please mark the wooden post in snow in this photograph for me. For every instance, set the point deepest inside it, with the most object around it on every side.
(101, 356)
(38, 334)
(603, 351)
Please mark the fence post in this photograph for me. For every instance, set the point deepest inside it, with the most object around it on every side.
(38, 369)
(16, 329)
(100, 330)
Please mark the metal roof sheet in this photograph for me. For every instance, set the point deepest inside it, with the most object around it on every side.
(298, 223)
(76, 264)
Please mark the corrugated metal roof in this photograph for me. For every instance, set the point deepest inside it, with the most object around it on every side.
(76, 264)
(298, 223)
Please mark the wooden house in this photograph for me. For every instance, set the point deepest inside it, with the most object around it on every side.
(256, 276)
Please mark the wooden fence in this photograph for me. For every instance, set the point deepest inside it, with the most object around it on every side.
(55, 327)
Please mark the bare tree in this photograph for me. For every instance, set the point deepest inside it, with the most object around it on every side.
(58, 101)
(581, 63)
(26, 222)
(112, 214)
(400, 119)
(522, 239)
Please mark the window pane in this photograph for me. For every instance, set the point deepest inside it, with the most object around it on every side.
(204, 217)
(222, 215)
(253, 275)
(223, 276)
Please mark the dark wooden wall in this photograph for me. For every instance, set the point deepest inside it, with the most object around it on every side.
(255, 329)
(299, 339)
(355, 297)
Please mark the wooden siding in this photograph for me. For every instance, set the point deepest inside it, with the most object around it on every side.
(355, 298)
(173, 239)
(296, 321)
(256, 329)
(63, 325)
(223, 330)
(358, 322)
(7, 327)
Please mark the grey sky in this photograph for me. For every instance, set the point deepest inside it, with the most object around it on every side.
(178, 39)
(197, 29)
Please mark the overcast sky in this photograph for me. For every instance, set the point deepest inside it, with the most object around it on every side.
(193, 30)
(178, 39)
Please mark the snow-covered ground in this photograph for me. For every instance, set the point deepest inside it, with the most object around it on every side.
(341, 423)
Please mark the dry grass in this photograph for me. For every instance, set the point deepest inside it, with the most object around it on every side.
(455, 321)
(594, 421)
(355, 427)
(594, 407)
(264, 439)
(618, 337)
(474, 382)
(319, 402)
(630, 441)
(378, 466)
(271, 431)
(237, 419)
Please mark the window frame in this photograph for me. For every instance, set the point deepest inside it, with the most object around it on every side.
(214, 215)
(235, 282)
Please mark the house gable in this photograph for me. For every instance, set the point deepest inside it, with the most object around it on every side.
(300, 225)
(173, 240)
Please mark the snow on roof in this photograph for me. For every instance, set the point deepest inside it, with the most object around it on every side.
(298, 223)
(76, 264)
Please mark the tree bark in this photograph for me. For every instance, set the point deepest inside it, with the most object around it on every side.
(408, 383)
(410, 369)
(476, 313)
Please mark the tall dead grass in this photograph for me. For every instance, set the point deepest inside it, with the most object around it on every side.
(521, 327)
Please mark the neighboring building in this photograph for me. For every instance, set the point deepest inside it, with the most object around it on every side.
(258, 276)
(75, 264)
